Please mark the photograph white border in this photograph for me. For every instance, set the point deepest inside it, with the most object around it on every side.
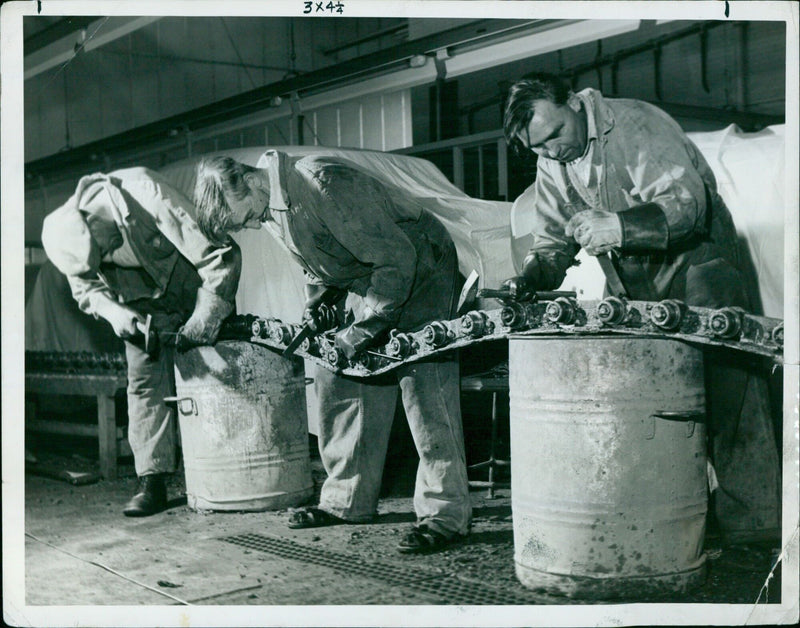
(16, 612)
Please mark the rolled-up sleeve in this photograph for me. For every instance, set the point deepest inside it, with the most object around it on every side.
(218, 266)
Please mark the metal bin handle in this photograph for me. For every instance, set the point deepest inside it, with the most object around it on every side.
(182, 408)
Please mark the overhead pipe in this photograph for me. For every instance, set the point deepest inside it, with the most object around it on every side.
(746, 120)
(66, 27)
(44, 51)
(260, 98)
(392, 30)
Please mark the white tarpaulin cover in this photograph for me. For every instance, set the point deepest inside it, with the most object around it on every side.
(750, 171)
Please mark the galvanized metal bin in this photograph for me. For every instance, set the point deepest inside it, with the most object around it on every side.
(244, 428)
(608, 465)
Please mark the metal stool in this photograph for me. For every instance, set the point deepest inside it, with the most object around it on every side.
(495, 382)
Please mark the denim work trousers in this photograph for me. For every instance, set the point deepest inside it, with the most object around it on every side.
(356, 414)
(151, 422)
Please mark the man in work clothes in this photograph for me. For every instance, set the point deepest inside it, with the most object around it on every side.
(397, 264)
(621, 176)
(129, 246)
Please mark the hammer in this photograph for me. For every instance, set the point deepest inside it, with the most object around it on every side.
(151, 344)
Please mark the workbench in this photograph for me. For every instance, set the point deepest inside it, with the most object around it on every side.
(104, 387)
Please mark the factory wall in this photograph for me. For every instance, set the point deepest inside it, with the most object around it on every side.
(154, 78)
(745, 71)
(374, 122)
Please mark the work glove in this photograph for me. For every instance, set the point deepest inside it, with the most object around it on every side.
(360, 335)
(122, 318)
(596, 231)
(644, 228)
(318, 312)
(518, 288)
(203, 325)
(532, 278)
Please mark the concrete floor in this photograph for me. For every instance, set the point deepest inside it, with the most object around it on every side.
(80, 550)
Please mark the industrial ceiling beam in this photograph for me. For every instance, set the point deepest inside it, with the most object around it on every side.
(395, 58)
(69, 37)
(66, 27)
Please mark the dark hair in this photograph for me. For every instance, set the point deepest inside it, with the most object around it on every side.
(216, 177)
(519, 106)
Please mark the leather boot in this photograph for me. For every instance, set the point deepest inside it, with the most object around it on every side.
(150, 497)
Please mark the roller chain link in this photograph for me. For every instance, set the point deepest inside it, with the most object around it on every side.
(724, 327)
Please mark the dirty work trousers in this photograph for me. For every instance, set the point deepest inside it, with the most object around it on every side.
(742, 443)
(151, 422)
(355, 415)
(747, 503)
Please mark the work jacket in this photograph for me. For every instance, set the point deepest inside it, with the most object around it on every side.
(350, 231)
(678, 238)
(156, 226)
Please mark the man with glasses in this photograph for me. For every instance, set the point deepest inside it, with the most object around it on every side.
(397, 266)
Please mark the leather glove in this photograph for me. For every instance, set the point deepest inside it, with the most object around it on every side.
(644, 228)
(596, 231)
(122, 318)
(524, 286)
(518, 288)
(320, 318)
(203, 325)
(359, 336)
(318, 312)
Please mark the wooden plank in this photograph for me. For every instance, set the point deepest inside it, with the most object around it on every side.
(90, 430)
(74, 384)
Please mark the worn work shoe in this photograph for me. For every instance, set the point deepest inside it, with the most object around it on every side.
(424, 540)
(311, 517)
(150, 497)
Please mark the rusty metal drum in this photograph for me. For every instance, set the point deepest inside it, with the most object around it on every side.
(244, 428)
(608, 465)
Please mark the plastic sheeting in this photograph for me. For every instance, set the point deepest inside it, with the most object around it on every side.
(750, 170)
(750, 173)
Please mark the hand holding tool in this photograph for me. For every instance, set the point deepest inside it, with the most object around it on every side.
(151, 343)
(328, 297)
(595, 230)
(122, 318)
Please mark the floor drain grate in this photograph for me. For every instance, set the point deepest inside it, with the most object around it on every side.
(449, 588)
